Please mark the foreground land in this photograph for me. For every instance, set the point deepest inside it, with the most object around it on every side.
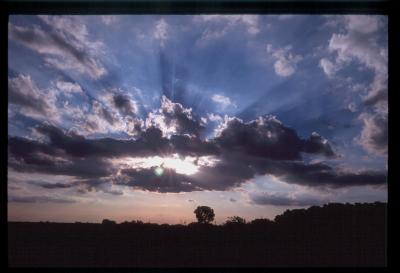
(332, 235)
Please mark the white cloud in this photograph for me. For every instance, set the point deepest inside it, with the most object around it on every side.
(161, 31)
(374, 135)
(328, 67)
(217, 26)
(157, 119)
(285, 62)
(29, 100)
(109, 19)
(360, 42)
(92, 67)
(249, 21)
(66, 46)
(352, 107)
(362, 23)
(285, 17)
(223, 101)
(69, 87)
(214, 117)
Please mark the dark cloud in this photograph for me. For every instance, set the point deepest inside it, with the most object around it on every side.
(169, 181)
(124, 104)
(226, 174)
(319, 175)
(84, 168)
(242, 151)
(53, 185)
(28, 149)
(38, 199)
(186, 145)
(316, 144)
(176, 115)
(276, 199)
(150, 142)
(268, 138)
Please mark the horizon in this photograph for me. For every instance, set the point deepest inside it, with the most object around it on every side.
(146, 117)
(140, 221)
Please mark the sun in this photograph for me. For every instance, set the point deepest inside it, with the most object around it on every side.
(182, 166)
(186, 165)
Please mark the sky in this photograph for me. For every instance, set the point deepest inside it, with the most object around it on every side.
(146, 117)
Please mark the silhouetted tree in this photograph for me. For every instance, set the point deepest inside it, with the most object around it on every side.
(204, 214)
(235, 220)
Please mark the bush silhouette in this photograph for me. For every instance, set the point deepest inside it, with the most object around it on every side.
(204, 214)
(108, 222)
(262, 221)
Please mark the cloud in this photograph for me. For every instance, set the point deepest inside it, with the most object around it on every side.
(39, 199)
(321, 175)
(108, 19)
(69, 87)
(146, 179)
(363, 23)
(49, 105)
(217, 26)
(361, 42)
(286, 17)
(65, 46)
(104, 113)
(24, 93)
(286, 199)
(105, 185)
(111, 112)
(352, 107)
(328, 67)
(285, 62)
(316, 144)
(374, 135)
(173, 118)
(250, 22)
(267, 137)
(125, 105)
(223, 101)
(193, 146)
(160, 31)
(52, 185)
(243, 150)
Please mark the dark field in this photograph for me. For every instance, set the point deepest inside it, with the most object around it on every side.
(332, 235)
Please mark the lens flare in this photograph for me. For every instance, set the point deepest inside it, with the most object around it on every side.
(158, 171)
